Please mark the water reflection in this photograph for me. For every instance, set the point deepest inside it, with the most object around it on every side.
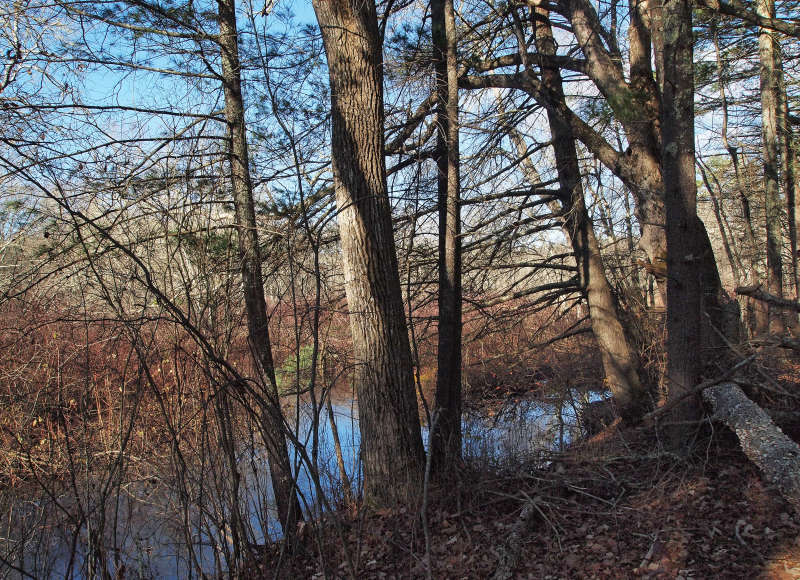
(154, 530)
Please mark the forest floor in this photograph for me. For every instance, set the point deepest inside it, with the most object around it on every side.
(614, 507)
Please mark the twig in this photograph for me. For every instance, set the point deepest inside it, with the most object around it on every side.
(424, 509)
(655, 414)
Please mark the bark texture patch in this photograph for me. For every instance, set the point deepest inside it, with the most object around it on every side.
(777, 456)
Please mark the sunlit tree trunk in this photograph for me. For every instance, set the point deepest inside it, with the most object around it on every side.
(770, 98)
(620, 361)
(391, 441)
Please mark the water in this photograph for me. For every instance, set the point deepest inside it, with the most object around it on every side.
(157, 532)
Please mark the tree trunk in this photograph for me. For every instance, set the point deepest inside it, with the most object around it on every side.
(790, 183)
(446, 438)
(391, 442)
(777, 456)
(770, 97)
(252, 279)
(329, 383)
(684, 286)
(620, 362)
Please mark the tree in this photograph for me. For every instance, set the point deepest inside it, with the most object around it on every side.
(684, 250)
(446, 435)
(252, 278)
(620, 362)
(391, 447)
(768, 54)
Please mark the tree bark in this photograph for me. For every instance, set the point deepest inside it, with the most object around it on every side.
(391, 442)
(777, 456)
(770, 100)
(778, 302)
(252, 278)
(684, 282)
(446, 437)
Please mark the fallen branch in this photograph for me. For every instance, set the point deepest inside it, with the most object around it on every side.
(778, 341)
(759, 294)
(775, 454)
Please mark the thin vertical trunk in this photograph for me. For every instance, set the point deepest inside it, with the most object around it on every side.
(759, 309)
(794, 199)
(252, 278)
(644, 138)
(329, 383)
(391, 441)
(684, 263)
(236, 528)
(770, 83)
(790, 182)
(446, 438)
(723, 234)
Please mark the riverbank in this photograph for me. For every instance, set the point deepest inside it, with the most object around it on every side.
(617, 508)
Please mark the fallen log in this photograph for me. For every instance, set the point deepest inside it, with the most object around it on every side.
(511, 551)
(777, 456)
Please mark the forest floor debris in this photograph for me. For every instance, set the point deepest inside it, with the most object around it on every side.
(615, 508)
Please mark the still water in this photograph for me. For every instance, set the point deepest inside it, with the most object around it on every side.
(156, 532)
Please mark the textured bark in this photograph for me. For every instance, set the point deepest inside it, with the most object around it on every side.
(620, 362)
(510, 550)
(391, 442)
(446, 437)
(684, 282)
(252, 277)
(775, 454)
(770, 98)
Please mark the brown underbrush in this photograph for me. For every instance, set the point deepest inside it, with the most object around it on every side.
(94, 409)
(621, 508)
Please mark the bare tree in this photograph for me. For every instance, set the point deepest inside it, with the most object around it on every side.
(252, 278)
